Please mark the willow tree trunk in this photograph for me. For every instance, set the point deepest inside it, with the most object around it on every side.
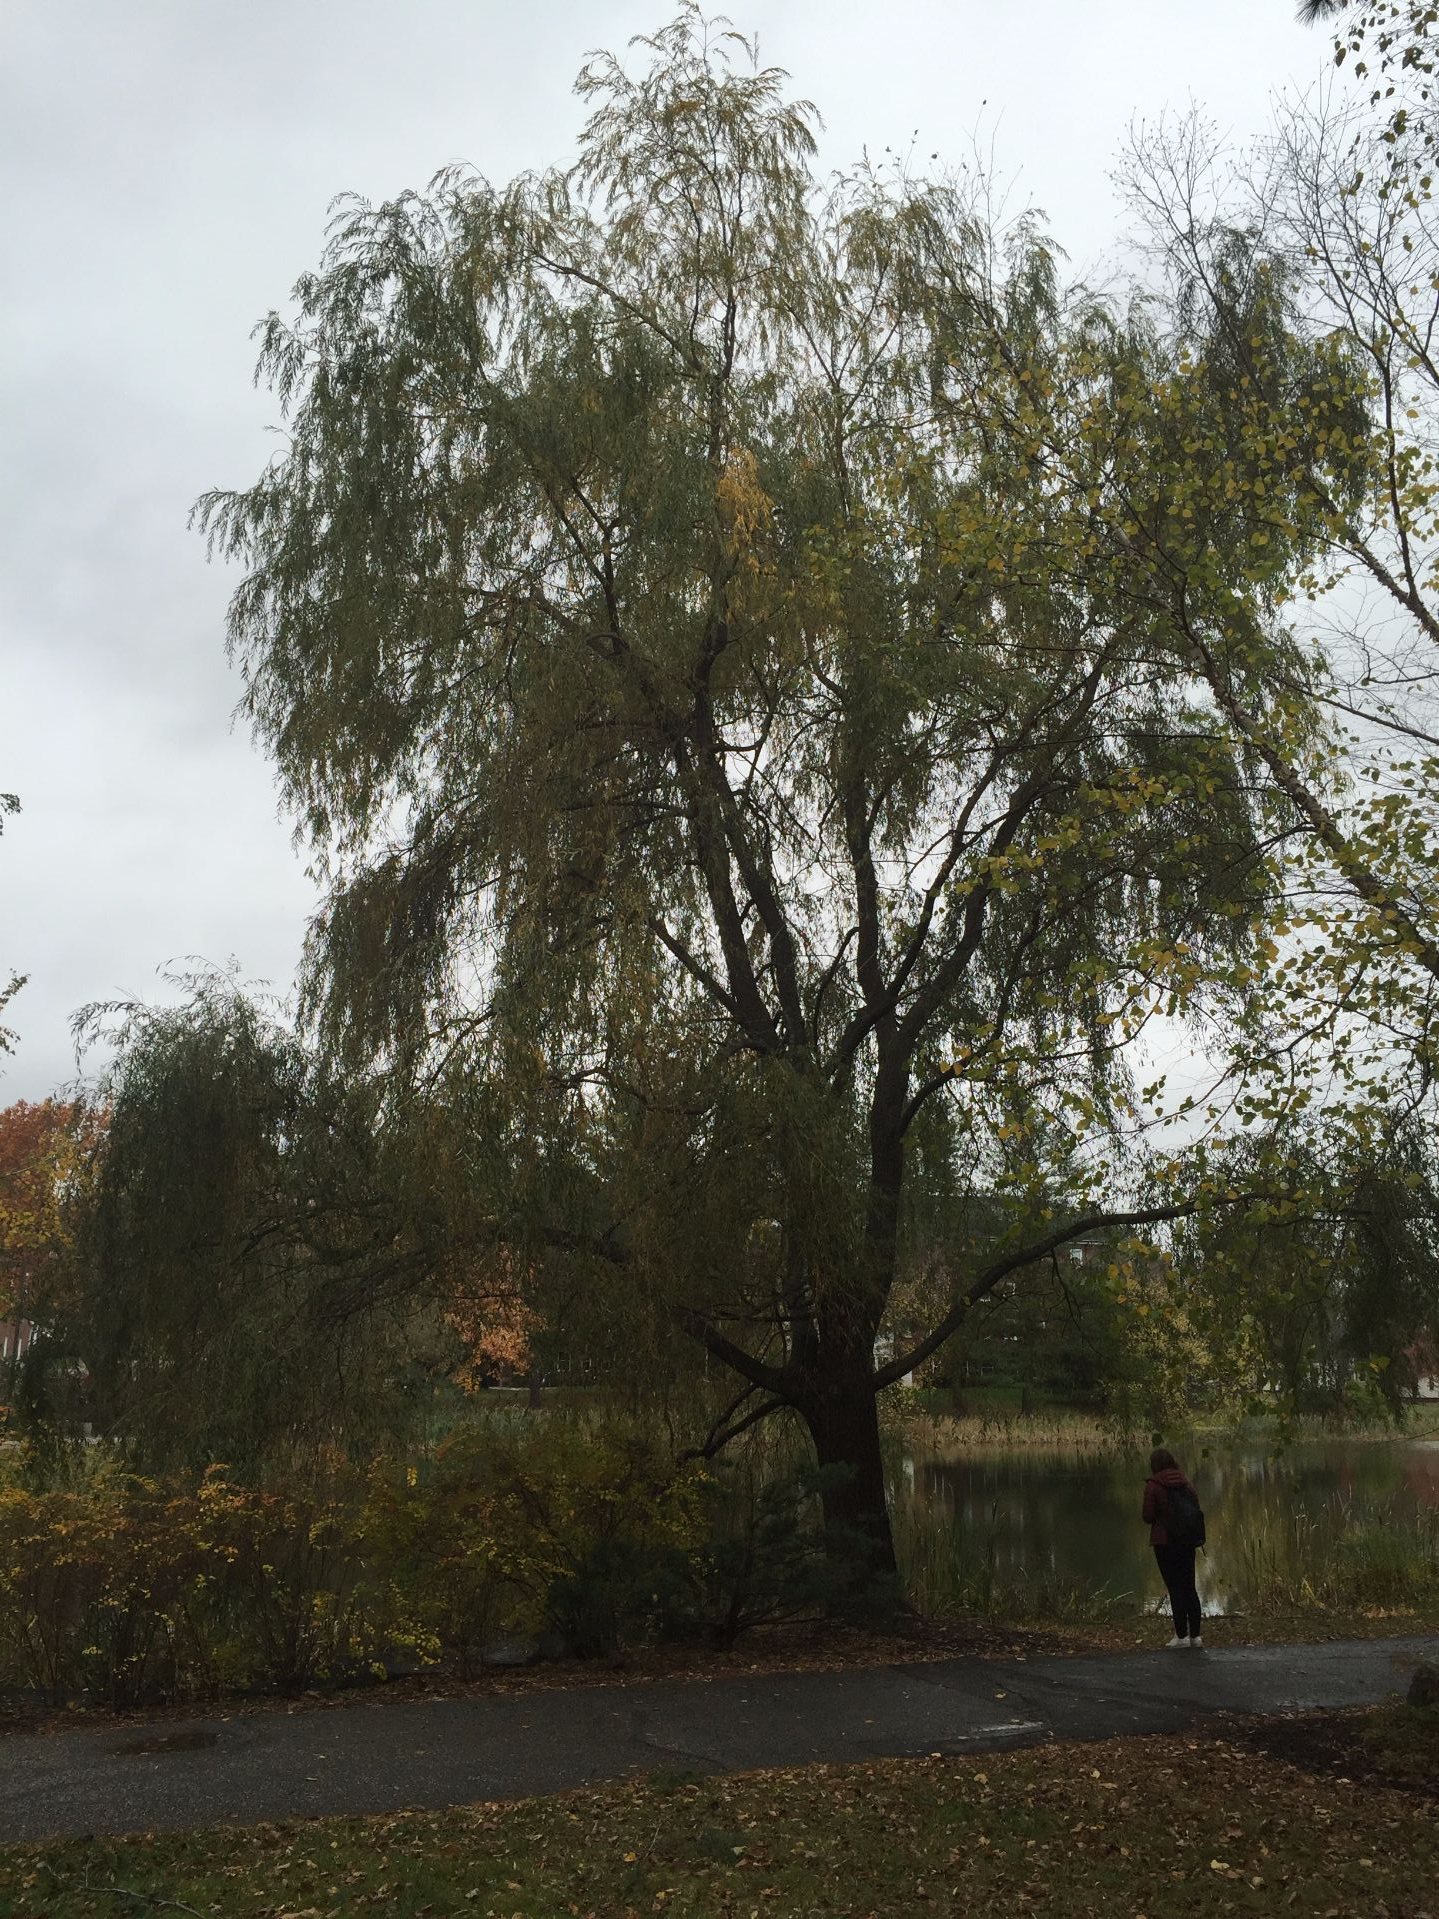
(841, 1412)
(843, 1420)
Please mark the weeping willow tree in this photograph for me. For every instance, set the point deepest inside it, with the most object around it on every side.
(695, 620)
(250, 1265)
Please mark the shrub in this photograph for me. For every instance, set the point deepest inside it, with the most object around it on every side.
(460, 1569)
(92, 1590)
(283, 1598)
(581, 1528)
(615, 1524)
(129, 1589)
(769, 1558)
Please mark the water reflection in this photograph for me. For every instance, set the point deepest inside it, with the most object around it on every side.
(1031, 1517)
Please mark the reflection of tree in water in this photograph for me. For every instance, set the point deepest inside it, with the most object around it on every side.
(1033, 1515)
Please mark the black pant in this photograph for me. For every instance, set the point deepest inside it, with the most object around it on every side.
(1176, 1568)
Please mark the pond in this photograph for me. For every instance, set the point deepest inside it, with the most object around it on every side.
(1053, 1531)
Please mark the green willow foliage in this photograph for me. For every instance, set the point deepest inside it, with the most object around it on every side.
(1327, 1295)
(708, 623)
(244, 1283)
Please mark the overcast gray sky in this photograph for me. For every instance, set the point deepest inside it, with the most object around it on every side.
(165, 167)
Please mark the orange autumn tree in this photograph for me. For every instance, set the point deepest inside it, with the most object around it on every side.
(494, 1321)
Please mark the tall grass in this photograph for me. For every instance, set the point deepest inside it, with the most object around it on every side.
(1001, 1429)
(1386, 1560)
(950, 1572)
(1295, 1562)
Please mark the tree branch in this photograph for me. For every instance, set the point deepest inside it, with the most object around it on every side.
(700, 1329)
(721, 1435)
(695, 968)
(1000, 1269)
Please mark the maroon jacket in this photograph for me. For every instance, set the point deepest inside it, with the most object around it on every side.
(1156, 1505)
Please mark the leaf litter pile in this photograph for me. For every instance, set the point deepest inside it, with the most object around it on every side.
(1147, 1828)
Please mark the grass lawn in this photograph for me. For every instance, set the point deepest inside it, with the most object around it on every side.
(1156, 1827)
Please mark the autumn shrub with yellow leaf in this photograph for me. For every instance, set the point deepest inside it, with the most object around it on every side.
(126, 1589)
(560, 1526)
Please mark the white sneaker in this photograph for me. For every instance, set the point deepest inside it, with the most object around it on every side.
(1196, 1642)
(1176, 1641)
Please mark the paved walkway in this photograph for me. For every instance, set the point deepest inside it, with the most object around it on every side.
(379, 1757)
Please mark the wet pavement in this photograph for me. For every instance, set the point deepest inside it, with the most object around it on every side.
(378, 1757)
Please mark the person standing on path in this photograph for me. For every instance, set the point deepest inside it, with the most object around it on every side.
(1176, 1532)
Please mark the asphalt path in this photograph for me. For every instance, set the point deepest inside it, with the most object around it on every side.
(378, 1757)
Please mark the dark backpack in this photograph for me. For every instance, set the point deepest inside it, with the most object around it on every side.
(1183, 1516)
